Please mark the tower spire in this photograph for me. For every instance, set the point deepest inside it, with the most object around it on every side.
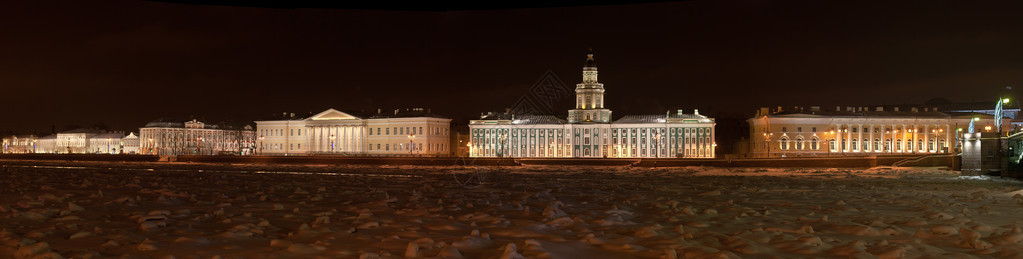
(589, 59)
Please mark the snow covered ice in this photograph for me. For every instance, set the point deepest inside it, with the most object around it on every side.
(160, 210)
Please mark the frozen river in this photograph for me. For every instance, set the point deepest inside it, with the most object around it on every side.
(156, 210)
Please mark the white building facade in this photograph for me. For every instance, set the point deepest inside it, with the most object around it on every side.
(414, 132)
(860, 131)
(590, 132)
(169, 137)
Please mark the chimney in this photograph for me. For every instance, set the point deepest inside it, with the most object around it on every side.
(293, 115)
(697, 111)
(879, 108)
(762, 112)
(680, 112)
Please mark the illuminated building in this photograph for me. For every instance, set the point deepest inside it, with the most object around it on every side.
(590, 132)
(413, 132)
(174, 137)
(105, 143)
(19, 144)
(858, 131)
(130, 144)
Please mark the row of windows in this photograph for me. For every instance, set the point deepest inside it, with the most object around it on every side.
(798, 144)
(866, 129)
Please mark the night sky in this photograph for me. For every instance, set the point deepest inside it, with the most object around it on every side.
(124, 63)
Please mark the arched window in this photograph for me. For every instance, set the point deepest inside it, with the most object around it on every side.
(799, 143)
(930, 145)
(941, 146)
(909, 144)
(784, 143)
(853, 144)
(887, 144)
(877, 144)
(898, 144)
(831, 145)
(920, 144)
(844, 144)
(814, 145)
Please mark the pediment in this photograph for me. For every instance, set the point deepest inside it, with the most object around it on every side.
(332, 114)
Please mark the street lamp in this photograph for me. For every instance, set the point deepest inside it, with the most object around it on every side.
(261, 144)
(410, 138)
(108, 146)
(198, 146)
(657, 144)
(331, 143)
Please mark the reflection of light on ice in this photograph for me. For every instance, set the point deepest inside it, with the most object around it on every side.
(974, 177)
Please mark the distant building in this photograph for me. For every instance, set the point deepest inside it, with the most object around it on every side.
(46, 144)
(413, 132)
(174, 137)
(19, 144)
(130, 144)
(105, 143)
(75, 141)
(859, 131)
(590, 132)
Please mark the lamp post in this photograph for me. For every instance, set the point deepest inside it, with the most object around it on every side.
(150, 146)
(198, 145)
(261, 144)
(410, 138)
(331, 143)
(767, 142)
(108, 146)
(500, 144)
(657, 144)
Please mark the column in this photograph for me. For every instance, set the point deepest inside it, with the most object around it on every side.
(859, 135)
(927, 138)
(948, 138)
(904, 142)
(870, 144)
(891, 146)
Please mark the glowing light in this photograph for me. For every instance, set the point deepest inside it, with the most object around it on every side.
(976, 119)
(1006, 100)
(987, 127)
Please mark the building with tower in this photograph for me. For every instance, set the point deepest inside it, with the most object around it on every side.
(591, 132)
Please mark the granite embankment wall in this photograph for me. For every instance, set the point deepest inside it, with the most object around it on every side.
(844, 162)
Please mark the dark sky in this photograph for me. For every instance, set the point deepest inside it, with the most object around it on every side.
(124, 63)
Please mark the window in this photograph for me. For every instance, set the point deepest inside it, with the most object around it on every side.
(854, 131)
(420, 130)
(799, 129)
(784, 144)
(371, 132)
(378, 145)
(299, 146)
(387, 130)
(814, 129)
(300, 132)
(783, 129)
